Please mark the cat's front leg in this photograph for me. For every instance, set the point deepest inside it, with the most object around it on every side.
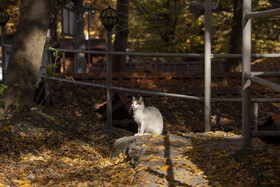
(139, 129)
(142, 129)
(138, 134)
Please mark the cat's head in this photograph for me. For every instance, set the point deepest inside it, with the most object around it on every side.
(137, 103)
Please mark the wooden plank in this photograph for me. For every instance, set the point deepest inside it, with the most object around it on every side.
(265, 133)
(263, 82)
(246, 68)
(263, 14)
(267, 74)
(207, 67)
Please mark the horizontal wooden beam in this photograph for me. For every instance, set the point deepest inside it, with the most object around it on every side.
(164, 94)
(267, 74)
(75, 82)
(164, 75)
(193, 55)
(263, 14)
(239, 100)
(272, 55)
(263, 82)
(7, 45)
(266, 133)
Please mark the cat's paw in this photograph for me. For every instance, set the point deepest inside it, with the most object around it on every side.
(136, 134)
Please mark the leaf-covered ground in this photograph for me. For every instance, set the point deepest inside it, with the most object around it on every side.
(182, 113)
(208, 159)
(50, 148)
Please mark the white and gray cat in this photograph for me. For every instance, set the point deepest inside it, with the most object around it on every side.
(149, 119)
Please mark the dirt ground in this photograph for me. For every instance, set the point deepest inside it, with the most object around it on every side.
(49, 147)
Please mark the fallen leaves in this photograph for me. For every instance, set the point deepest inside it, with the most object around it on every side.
(165, 168)
(69, 152)
(49, 149)
(22, 182)
(22, 134)
(210, 157)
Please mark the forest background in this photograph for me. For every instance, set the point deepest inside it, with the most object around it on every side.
(175, 26)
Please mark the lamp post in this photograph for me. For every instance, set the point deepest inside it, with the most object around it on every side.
(109, 19)
(4, 18)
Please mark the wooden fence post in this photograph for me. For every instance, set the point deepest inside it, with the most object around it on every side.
(207, 57)
(246, 68)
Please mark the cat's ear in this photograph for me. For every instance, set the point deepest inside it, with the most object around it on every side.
(141, 99)
(133, 98)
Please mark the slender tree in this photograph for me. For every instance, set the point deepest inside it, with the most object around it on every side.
(79, 67)
(26, 54)
(122, 34)
(235, 38)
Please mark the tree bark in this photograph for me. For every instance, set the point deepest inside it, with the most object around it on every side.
(233, 65)
(26, 54)
(121, 36)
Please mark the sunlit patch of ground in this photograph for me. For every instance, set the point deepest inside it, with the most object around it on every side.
(209, 159)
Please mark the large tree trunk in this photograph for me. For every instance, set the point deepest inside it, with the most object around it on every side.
(235, 38)
(26, 54)
(121, 36)
(79, 66)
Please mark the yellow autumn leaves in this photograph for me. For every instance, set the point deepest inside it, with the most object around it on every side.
(50, 156)
(209, 157)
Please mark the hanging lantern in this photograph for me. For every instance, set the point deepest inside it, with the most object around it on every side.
(109, 18)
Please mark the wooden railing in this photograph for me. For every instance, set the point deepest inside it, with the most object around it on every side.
(247, 76)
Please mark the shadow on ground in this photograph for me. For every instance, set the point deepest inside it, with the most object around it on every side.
(208, 159)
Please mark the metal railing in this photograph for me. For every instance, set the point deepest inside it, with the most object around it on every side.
(182, 96)
(165, 94)
(248, 77)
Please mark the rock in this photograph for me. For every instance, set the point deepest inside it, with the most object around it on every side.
(50, 170)
(159, 154)
(125, 145)
(31, 176)
(80, 142)
(39, 171)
